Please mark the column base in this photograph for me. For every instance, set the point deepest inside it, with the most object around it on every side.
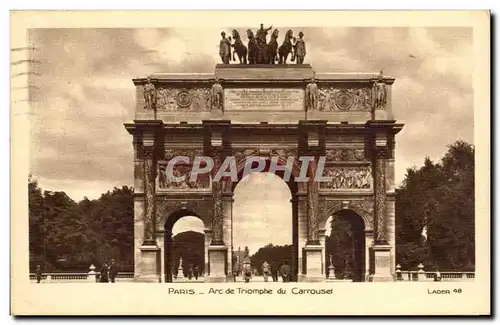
(149, 267)
(313, 256)
(382, 254)
(217, 257)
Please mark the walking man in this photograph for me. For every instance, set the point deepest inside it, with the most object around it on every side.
(274, 272)
(196, 271)
(285, 272)
(266, 270)
(113, 271)
(38, 273)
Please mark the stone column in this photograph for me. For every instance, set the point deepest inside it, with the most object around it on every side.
(313, 249)
(218, 217)
(302, 234)
(382, 248)
(208, 240)
(312, 213)
(161, 246)
(168, 256)
(295, 238)
(391, 203)
(217, 251)
(368, 247)
(149, 194)
(322, 242)
(391, 229)
(150, 271)
(227, 213)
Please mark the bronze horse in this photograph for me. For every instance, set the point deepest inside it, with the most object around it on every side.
(252, 47)
(272, 47)
(286, 48)
(239, 48)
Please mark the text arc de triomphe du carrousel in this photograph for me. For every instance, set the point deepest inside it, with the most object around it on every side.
(257, 109)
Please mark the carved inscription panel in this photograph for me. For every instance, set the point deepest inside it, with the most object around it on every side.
(263, 99)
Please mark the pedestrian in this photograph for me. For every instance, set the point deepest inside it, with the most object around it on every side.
(274, 272)
(247, 269)
(104, 273)
(437, 276)
(266, 270)
(285, 272)
(190, 272)
(113, 271)
(38, 273)
(196, 272)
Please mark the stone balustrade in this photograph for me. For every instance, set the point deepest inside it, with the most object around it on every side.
(70, 277)
(79, 277)
(422, 275)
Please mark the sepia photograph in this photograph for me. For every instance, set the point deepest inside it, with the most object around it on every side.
(270, 154)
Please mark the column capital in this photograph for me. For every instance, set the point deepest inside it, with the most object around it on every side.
(381, 152)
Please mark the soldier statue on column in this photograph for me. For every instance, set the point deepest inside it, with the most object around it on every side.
(312, 95)
(379, 92)
(216, 95)
(150, 95)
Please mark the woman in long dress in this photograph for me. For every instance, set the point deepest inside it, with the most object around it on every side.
(104, 273)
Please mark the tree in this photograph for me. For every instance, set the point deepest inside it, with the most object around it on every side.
(438, 198)
(69, 236)
(189, 245)
(274, 255)
(339, 244)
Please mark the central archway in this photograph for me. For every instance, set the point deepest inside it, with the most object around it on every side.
(265, 220)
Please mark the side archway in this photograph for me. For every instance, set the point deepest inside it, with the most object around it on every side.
(345, 246)
(171, 255)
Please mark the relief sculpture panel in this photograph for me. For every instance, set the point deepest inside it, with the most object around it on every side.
(333, 155)
(168, 181)
(241, 154)
(173, 99)
(348, 178)
(353, 99)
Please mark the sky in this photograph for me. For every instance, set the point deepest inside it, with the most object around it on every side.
(85, 93)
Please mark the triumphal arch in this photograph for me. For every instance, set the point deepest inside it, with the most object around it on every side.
(286, 111)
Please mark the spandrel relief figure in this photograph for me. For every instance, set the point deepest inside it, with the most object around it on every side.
(150, 95)
(201, 99)
(312, 95)
(379, 92)
(299, 49)
(217, 95)
(363, 100)
(225, 49)
(166, 99)
(162, 176)
(166, 181)
(323, 104)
